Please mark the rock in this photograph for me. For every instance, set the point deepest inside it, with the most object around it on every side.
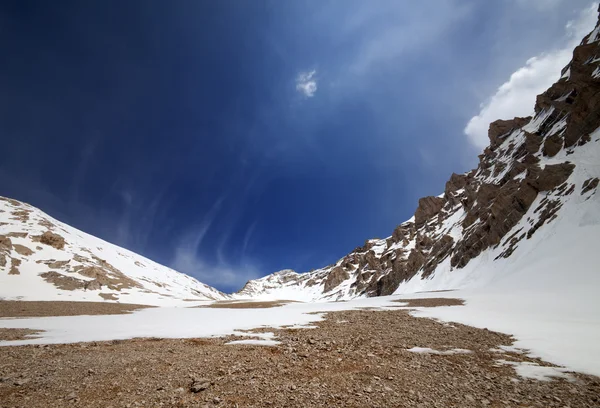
(93, 285)
(200, 385)
(5, 243)
(501, 128)
(552, 145)
(336, 276)
(553, 175)
(71, 397)
(428, 207)
(589, 185)
(52, 239)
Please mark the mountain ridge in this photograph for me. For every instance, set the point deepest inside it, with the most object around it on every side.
(531, 169)
(42, 258)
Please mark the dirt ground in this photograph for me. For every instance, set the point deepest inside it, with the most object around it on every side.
(13, 308)
(247, 305)
(353, 359)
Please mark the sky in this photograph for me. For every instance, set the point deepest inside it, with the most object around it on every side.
(232, 139)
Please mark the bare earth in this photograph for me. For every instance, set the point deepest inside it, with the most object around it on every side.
(16, 334)
(354, 359)
(247, 305)
(10, 308)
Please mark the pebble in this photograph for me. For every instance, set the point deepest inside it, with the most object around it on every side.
(200, 385)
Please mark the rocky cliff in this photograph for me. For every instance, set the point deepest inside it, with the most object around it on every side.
(532, 170)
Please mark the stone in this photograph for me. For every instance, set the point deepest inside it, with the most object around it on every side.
(52, 239)
(428, 207)
(552, 145)
(200, 385)
(336, 276)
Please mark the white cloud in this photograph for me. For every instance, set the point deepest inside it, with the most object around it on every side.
(220, 274)
(306, 83)
(516, 97)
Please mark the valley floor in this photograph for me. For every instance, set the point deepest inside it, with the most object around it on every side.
(353, 358)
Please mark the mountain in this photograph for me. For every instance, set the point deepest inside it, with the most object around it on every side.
(44, 259)
(530, 205)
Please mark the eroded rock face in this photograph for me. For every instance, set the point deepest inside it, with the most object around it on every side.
(428, 207)
(335, 277)
(501, 128)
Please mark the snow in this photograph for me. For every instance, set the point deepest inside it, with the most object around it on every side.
(546, 293)
(159, 285)
(427, 350)
(594, 35)
(537, 372)
(255, 342)
(174, 322)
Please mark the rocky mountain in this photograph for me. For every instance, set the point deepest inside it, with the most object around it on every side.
(44, 259)
(536, 182)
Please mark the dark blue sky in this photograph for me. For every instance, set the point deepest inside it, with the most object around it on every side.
(193, 132)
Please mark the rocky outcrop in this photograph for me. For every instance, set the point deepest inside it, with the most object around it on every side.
(499, 129)
(589, 185)
(52, 239)
(428, 207)
(334, 278)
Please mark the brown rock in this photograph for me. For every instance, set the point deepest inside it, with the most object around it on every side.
(22, 250)
(335, 277)
(552, 145)
(52, 239)
(501, 128)
(5, 243)
(62, 281)
(14, 267)
(589, 185)
(428, 207)
(553, 175)
(93, 285)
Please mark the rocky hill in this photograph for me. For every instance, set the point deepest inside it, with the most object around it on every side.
(44, 259)
(538, 178)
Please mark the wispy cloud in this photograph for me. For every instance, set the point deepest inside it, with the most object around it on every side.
(306, 83)
(516, 97)
(188, 257)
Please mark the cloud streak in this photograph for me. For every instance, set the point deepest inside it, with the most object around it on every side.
(516, 97)
(306, 83)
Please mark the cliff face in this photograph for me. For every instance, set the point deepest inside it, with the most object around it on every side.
(531, 171)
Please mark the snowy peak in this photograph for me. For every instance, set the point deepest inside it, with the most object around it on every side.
(537, 179)
(44, 259)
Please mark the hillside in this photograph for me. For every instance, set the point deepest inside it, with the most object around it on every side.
(44, 259)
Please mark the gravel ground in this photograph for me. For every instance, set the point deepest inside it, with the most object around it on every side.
(353, 359)
(236, 304)
(13, 308)
(16, 334)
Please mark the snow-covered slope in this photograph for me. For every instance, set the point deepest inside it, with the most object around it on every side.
(529, 211)
(44, 259)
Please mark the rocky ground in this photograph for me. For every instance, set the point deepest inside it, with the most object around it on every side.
(353, 359)
(11, 308)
